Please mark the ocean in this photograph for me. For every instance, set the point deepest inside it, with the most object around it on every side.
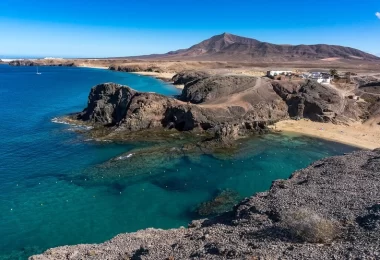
(42, 202)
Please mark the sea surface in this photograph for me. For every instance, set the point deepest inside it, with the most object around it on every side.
(42, 203)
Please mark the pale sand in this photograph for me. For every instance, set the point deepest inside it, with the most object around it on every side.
(92, 67)
(163, 75)
(359, 135)
(157, 75)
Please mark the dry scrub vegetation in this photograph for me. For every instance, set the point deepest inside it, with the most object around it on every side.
(308, 226)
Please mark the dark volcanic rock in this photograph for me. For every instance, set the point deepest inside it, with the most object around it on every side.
(223, 202)
(342, 190)
(317, 102)
(130, 68)
(188, 76)
(126, 110)
(371, 87)
(22, 63)
(50, 63)
(107, 104)
(320, 103)
(111, 104)
(215, 87)
(227, 107)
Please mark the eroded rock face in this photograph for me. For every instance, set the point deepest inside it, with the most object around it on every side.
(107, 104)
(215, 87)
(131, 68)
(188, 76)
(317, 102)
(342, 189)
(229, 107)
(128, 111)
(41, 63)
(111, 104)
(22, 63)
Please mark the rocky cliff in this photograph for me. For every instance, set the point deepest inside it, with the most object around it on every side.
(42, 62)
(329, 210)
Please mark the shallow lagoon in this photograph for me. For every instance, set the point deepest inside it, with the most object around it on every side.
(56, 188)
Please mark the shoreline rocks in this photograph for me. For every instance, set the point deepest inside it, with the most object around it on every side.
(226, 107)
(41, 63)
(342, 190)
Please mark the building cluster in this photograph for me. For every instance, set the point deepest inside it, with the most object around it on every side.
(320, 77)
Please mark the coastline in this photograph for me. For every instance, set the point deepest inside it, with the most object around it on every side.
(356, 134)
(165, 76)
(93, 67)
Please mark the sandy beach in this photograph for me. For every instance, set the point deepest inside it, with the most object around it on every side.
(356, 134)
(167, 76)
(93, 67)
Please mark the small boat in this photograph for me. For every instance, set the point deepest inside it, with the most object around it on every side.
(38, 73)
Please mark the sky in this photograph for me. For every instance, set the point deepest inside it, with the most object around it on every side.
(116, 28)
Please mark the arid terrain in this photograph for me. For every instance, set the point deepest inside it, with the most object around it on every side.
(229, 47)
(223, 100)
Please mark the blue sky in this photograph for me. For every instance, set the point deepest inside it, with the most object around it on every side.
(104, 28)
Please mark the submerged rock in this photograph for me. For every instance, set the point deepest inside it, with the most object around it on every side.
(222, 203)
(342, 190)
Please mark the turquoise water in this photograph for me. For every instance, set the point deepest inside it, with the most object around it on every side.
(43, 203)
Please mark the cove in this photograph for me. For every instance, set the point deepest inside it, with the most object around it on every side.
(56, 187)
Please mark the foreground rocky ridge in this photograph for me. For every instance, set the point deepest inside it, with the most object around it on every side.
(335, 202)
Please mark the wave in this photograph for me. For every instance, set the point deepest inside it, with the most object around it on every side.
(74, 127)
(123, 157)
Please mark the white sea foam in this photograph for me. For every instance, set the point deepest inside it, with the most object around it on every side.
(74, 127)
(124, 157)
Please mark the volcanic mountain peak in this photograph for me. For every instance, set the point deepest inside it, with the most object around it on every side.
(222, 41)
(230, 47)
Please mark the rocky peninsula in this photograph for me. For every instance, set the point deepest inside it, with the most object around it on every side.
(222, 108)
(329, 210)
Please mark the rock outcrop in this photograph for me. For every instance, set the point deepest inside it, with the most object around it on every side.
(188, 76)
(227, 107)
(127, 110)
(370, 93)
(135, 68)
(115, 105)
(215, 87)
(317, 102)
(329, 210)
(52, 63)
(22, 63)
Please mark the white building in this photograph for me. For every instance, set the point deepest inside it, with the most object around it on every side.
(274, 73)
(320, 77)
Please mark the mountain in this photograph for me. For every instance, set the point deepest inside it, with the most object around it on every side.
(229, 47)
